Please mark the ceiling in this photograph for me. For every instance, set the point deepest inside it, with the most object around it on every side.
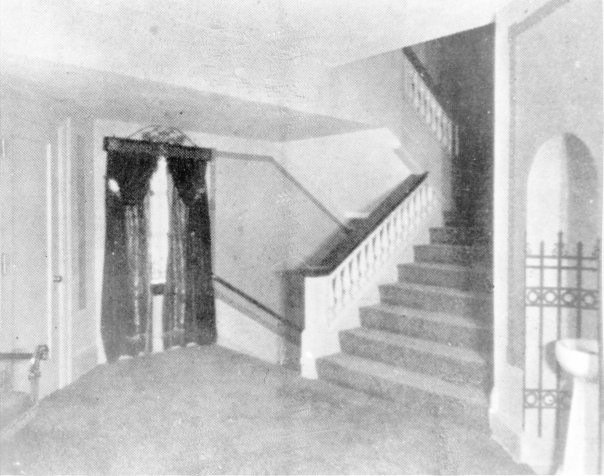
(240, 46)
(112, 96)
(190, 55)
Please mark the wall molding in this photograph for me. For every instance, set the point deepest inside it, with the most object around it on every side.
(516, 331)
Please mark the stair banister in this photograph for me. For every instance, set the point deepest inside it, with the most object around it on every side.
(420, 91)
(334, 284)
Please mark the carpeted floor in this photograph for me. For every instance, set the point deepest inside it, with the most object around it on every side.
(209, 410)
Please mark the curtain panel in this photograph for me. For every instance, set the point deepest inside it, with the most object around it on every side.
(126, 300)
(188, 175)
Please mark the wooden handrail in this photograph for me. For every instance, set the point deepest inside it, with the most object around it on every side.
(327, 261)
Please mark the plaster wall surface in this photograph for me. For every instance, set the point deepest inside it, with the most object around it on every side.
(372, 90)
(347, 172)
(48, 294)
(548, 79)
(556, 80)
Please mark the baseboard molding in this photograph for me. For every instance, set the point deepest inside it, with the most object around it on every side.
(84, 360)
(239, 331)
(505, 436)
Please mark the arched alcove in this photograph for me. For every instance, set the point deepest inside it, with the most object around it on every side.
(563, 194)
(561, 278)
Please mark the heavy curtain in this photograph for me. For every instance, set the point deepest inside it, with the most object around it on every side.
(126, 300)
(188, 174)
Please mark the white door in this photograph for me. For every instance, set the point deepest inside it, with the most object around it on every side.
(32, 250)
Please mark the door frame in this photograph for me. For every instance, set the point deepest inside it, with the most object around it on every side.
(62, 233)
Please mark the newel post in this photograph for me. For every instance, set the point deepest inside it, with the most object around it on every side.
(316, 316)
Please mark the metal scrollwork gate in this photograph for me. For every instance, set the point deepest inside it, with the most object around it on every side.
(562, 300)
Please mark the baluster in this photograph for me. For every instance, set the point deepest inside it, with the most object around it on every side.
(417, 95)
(374, 254)
(399, 224)
(392, 233)
(362, 264)
(346, 291)
(426, 107)
(369, 258)
(405, 215)
(441, 128)
(331, 300)
(355, 273)
(385, 242)
(337, 292)
(378, 250)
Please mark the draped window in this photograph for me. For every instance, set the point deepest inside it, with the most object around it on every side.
(188, 314)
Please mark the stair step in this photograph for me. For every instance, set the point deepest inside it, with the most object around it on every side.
(454, 235)
(452, 364)
(463, 404)
(453, 254)
(446, 274)
(456, 219)
(445, 328)
(437, 298)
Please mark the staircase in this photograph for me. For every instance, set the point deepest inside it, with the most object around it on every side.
(427, 344)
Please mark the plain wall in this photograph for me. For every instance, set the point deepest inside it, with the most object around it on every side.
(372, 90)
(347, 172)
(548, 80)
(265, 227)
(556, 80)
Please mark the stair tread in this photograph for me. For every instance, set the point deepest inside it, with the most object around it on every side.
(463, 229)
(453, 292)
(434, 316)
(401, 376)
(437, 265)
(470, 247)
(442, 350)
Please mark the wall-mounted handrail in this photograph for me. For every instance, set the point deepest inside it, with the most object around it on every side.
(256, 303)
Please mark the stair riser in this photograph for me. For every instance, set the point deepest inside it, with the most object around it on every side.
(476, 339)
(450, 236)
(464, 280)
(415, 360)
(450, 254)
(479, 309)
(456, 410)
(455, 220)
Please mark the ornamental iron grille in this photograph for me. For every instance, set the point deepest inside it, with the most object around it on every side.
(562, 300)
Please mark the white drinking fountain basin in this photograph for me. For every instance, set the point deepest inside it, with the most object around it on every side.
(579, 357)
